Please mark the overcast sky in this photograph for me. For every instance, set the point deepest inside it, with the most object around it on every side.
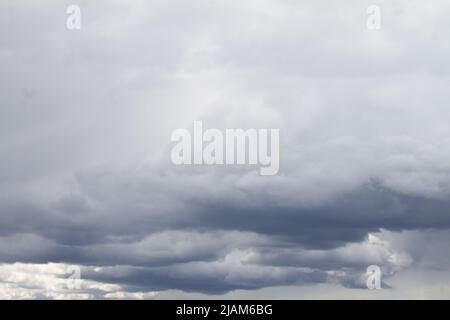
(86, 178)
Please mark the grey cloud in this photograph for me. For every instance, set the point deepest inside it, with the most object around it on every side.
(86, 117)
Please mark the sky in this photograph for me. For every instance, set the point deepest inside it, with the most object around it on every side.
(86, 178)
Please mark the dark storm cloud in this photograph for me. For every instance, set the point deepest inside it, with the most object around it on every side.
(167, 253)
(205, 277)
(347, 219)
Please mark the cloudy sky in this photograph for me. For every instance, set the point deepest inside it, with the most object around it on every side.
(86, 178)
